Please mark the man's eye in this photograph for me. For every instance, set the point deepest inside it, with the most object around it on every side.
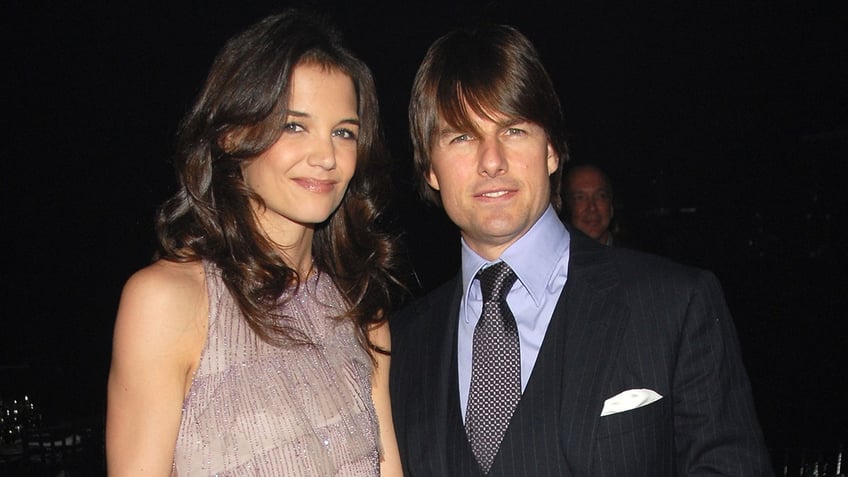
(344, 133)
(514, 131)
(460, 138)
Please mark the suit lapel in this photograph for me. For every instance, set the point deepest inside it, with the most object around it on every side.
(447, 404)
(594, 326)
(437, 424)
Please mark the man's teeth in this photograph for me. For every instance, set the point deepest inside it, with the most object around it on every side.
(495, 194)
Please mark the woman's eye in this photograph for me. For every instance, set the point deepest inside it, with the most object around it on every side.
(293, 127)
(344, 133)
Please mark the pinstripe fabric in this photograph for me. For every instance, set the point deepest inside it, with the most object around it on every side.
(625, 320)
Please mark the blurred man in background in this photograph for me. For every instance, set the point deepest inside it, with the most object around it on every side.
(588, 201)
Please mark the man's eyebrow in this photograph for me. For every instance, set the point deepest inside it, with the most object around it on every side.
(509, 122)
(447, 129)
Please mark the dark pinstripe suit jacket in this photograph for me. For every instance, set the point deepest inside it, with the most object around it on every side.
(625, 321)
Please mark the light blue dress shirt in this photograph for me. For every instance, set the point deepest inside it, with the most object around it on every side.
(540, 260)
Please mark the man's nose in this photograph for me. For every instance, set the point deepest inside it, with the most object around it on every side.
(492, 160)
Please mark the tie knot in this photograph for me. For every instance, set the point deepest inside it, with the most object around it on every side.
(495, 281)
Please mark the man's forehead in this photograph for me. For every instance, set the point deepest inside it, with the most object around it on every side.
(590, 188)
(589, 178)
(471, 118)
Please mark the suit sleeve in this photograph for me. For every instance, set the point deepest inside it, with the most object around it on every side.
(716, 426)
(398, 374)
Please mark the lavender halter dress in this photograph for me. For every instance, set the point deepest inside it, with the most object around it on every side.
(299, 410)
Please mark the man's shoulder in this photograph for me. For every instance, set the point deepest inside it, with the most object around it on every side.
(622, 255)
(437, 297)
(421, 312)
(648, 262)
(640, 272)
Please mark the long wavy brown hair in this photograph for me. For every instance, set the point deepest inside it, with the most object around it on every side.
(239, 114)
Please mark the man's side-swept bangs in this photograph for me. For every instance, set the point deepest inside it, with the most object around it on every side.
(476, 81)
(458, 101)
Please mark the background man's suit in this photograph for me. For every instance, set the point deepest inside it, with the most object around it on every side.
(625, 321)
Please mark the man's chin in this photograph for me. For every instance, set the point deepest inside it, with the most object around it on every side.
(594, 232)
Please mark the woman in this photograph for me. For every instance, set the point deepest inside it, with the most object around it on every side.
(257, 344)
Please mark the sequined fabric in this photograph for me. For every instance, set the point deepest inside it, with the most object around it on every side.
(257, 409)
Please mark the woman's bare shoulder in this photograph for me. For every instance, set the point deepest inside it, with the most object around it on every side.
(167, 281)
(159, 336)
(174, 276)
(165, 297)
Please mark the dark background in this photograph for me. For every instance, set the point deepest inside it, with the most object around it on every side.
(723, 126)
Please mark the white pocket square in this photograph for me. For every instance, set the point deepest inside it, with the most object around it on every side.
(630, 399)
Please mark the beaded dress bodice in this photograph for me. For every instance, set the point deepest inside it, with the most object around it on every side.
(297, 410)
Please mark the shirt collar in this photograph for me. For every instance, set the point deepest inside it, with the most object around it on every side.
(533, 257)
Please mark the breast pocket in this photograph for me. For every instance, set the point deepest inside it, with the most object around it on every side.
(639, 442)
(641, 419)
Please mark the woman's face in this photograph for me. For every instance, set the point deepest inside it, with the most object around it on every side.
(304, 175)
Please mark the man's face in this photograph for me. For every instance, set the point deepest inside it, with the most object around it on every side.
(589, 203)
(493, 183)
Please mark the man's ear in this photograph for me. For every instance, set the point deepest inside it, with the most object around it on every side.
(553, 160)
(432, 179)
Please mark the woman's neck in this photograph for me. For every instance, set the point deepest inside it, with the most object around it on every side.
(298, 259)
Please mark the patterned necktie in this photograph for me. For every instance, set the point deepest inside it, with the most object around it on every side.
(495, 367)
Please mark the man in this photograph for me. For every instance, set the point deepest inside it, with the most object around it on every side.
(588, 201)
(600, 361)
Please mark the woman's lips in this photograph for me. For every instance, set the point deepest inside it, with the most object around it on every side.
(316, 185)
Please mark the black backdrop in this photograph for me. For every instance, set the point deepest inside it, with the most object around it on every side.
(723, 127)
